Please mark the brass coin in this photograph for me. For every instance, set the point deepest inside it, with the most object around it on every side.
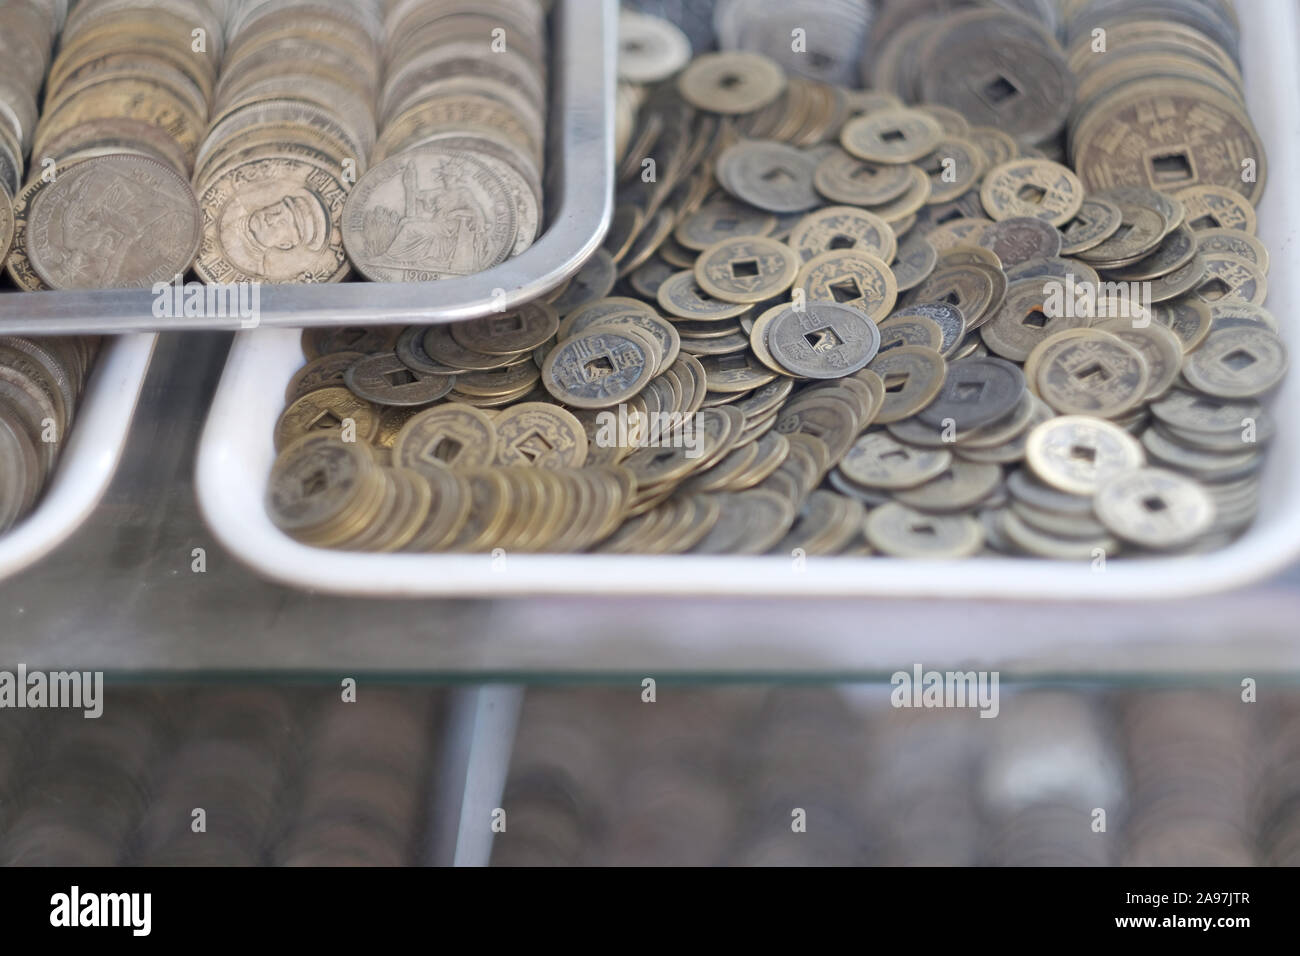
(508, 333)
(913, 376)
(1161, 348)
(898, 330)
(844, 178)
(1077, 454)
(6, 224)
(850, 277)
(746, 269)
(601, 367)
(455, 436)
(1216, 207)
(731, 82)
(722, 218)
(1233, 242)
(1093, 374)
(382, 378)
(1096, 221)
(954, 167)
(536, 433)
(1032, 187)
(1229, 277)
(735, 373)
(330, 411)
(315, 481)
(681, 295)
(1141, 229)
(1154, 508)
(824, 340)
(899, 213)
(891, 136)
(913, 262)
(1187, 318)
(442, 347)
(1024, 319)
(878, 460)
(903, 532)
(617, 311)
(842, 227)
(1239, 361)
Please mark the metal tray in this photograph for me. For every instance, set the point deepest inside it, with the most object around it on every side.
(580, 188)
(236, 454)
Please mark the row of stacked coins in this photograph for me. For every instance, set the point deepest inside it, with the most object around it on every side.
(108, 202)
(293, 126)
(457, 183)
(27, 37)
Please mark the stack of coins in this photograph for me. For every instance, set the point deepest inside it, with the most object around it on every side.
(27, 32)
(41, 381)
(457, 183)
(293, 125)
(108, 202)
(845, 326)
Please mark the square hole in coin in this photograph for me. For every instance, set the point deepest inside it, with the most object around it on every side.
(923, 529)
(314, 483)
(725, 225)
(734, 360)
(896, 454)
(823, 340)
(968, 391)
(841, 242)
(1173, 167)
(864, 171)
(1084, 453)
(1036, 318)
(1205, 222)
(952, 298)
(1092, 372)
(1076, 225)
(998, 90)
(846, 290)
(948, 216)
(1154, 504)
(505, 324)
(744, 268)
(896, 382)
(1238, 359)
(1122, 232)
(892, 136)
(1208, 404)
(1214, 289)
(399, 377)
(1031, 194)
(598, 367)
(777, 174)
(534, 445)
(730, 81)
(326, 420)
(441, 450)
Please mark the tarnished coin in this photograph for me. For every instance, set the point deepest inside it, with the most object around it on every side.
(751, 522)
(1228, 277)
(448, 436)
(769, 175)
(975, 392)
(1187, 318)
(913, 262)
(1037, 188)
(878, 460)
(824, 340)
(1217, 207)
(382, 378)
(947, 317)
(731, 82)
(273, 220)
(326, 371)
(1077, 454)
(618, 311)
(746, 269)
(913, 376)
(1092, 374)
(850, 277)
(594, 281)
(954, 167)
(736, 372)
(1160, 347)
(442, 348)
(902, 532)
(898, 330)
(1096, 221)
(315, 484)
(680, 295)
(396, 231)
(842, 227)
(1178, 248)
(1027, 316)
(962, 485)
(722, 218)
(1233, 242)
(891, 136)
(1021, 238)
(508, 333)
(328, 410)
(600, 367)
(1237, 362)
(1193, 411)
(844, 178)
(1141, 229)
(1154, 508)
(119, 221)
(974, 289)
(541, 434)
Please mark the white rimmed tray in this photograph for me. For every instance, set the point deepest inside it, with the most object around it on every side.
(236, 454)
(90, 457)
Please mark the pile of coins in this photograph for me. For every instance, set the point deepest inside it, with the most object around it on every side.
(109, 204)
(829, 322)
(41, 381)
(819, 39)
(293, 125)
(457, 183)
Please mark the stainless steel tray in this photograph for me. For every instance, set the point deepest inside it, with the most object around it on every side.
(580, 188)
